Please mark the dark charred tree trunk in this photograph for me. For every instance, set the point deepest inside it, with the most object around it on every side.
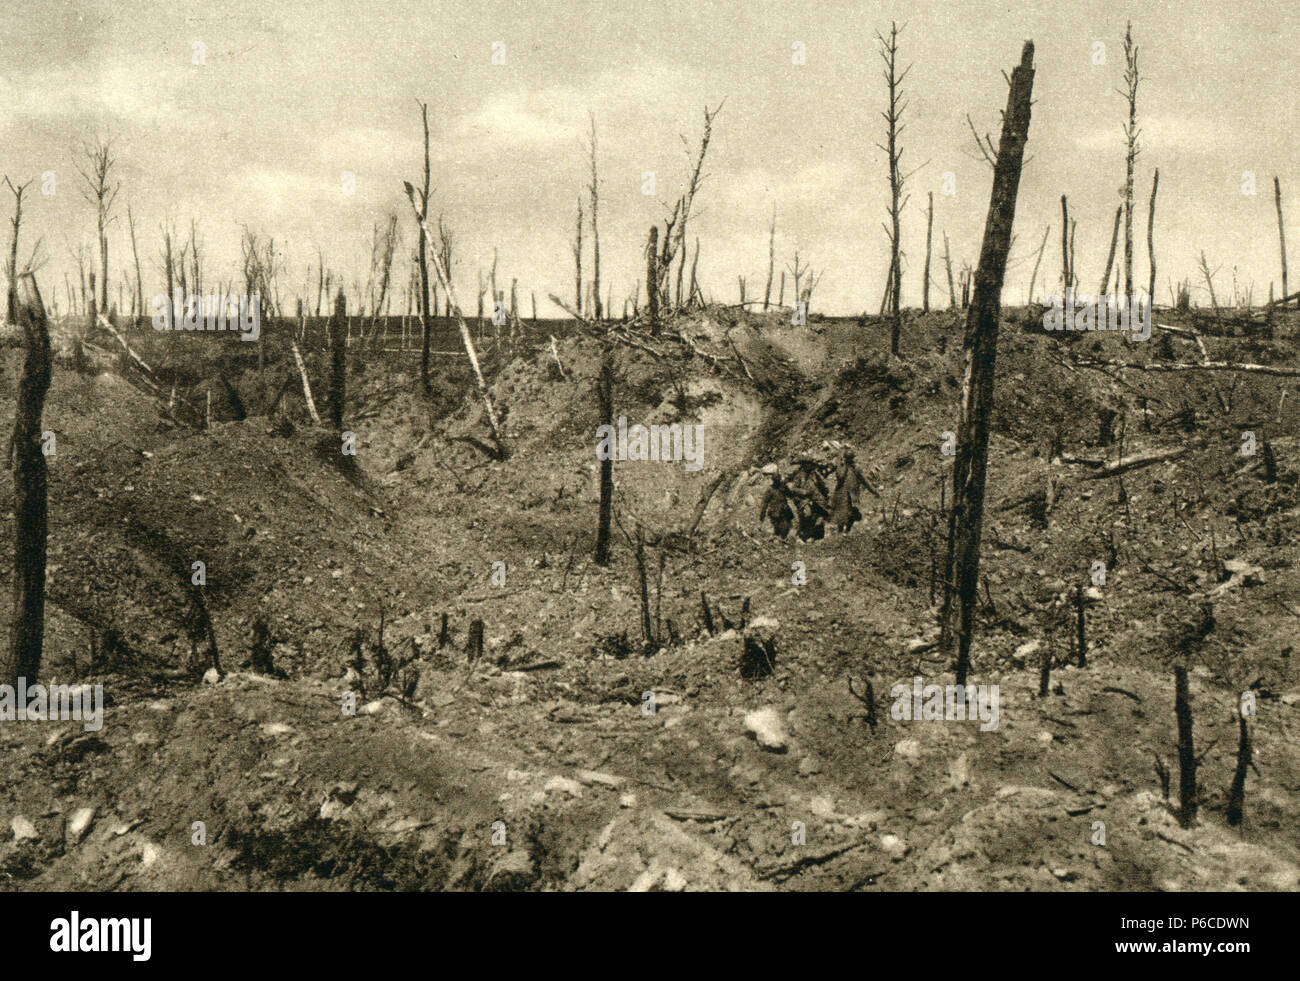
(647, 626)
(423, 259)
(1066, 271)
(171, 278)
(606, 465)
(31, 515)
(339, 360)
(652, 278)
(1081, 625)
(947, 262)
(1151, 238)
(929, 237)
(1237, 795)
(1186, 750)
(980, 344)
(1281, 231)
(474, 642)
(577, 263)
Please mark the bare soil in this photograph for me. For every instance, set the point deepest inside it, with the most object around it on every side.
(549, 732)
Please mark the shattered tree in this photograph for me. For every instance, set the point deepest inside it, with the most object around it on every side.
(980, 345)
(606, 394)
(31, 490)
(338, 361)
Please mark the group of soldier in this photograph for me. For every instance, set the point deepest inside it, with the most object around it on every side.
(802, 501)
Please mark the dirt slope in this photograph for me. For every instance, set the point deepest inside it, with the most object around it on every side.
(550, 731)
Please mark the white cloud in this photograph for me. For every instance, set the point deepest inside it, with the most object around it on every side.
(515, 119)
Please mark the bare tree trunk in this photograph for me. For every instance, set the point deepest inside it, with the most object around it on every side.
(606, 394)
(647, 627)
(1065, 244)
(1081, 626)
(1074, 273)
(771, 260)
(338, 362)
(577, 263)
(197, 265)
(30, 503)
(980, 344)
(1209, 282)
(135, 254)
(1130, 131)
(444, 277)
(320, 280)
(422, 215)
(595, 230)
(894, 80)
(11, 311)
(929, 233)
(947, 261)
(1041, 249)
(1237, 794)
(1110, 256)
(1151, 237)
(1281, 230)
(306, 385)
(652, 278)
(1187, 802)
(888, 293)
(695, 263)
(167, 259)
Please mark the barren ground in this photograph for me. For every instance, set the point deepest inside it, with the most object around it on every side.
(547, 732)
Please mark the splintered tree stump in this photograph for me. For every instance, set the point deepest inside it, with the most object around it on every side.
(871, 705)
(1081, 624)
(605, 392)
(1186, 750)
(31, 489)
(260, 656)
(652, 279)
(474, 643)
(1162, 772)
(708, 616)
(1045, 674)
(757, 657)
(443, 637)
(1270, 464)
(1237, 795)
(338, 361)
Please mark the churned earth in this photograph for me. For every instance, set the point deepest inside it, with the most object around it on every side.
(379, 753)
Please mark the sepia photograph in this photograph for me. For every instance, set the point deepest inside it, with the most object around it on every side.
(573, 447)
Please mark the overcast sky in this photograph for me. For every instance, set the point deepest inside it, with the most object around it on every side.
(294, 93)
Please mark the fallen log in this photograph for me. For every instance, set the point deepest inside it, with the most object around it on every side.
(103, 322)
(444, 277)
(1259, 369)
(1133, 462)
(1205, 357)
(306, 385)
